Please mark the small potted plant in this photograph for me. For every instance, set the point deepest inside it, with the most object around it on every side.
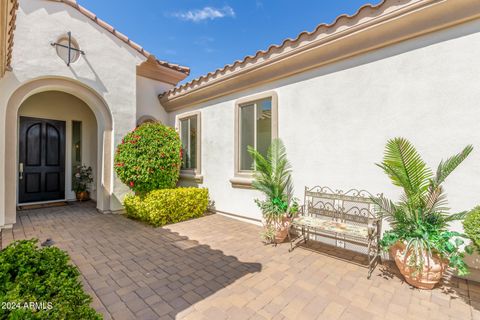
(272, 176)
(420, 241)
(82, 179)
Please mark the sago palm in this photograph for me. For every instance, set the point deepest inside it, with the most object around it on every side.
(421, 216)
(272, 174)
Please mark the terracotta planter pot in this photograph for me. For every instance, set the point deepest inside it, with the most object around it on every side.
(282, 231)
(83, 196)
(425, 278)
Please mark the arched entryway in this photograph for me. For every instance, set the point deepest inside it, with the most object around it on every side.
(46, 102)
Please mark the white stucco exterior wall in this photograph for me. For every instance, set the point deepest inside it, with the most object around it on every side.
(336, 120)
(108, 70)
(148, 105)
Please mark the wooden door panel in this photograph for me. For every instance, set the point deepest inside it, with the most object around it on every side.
(52, 181)
(33, 182)
(42, 153)
(33, 142)
(52, 145)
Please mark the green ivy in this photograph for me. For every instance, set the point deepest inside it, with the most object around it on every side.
(166, 206)
(471, 224)
(32, 275)
(149, 158)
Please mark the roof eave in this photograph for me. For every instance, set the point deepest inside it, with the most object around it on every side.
(418, 18)
(7, 26)
(152, 69)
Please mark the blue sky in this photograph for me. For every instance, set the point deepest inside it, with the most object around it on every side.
(206, 35)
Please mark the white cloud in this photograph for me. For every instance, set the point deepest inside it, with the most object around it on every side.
(207, 13)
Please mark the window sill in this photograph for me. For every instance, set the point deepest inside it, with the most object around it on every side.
(242, 182)
(191, 177)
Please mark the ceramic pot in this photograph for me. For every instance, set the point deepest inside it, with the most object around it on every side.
(83, 196)
(282, 231)
(425, 278)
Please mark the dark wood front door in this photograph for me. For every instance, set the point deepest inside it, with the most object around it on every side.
(41, 160)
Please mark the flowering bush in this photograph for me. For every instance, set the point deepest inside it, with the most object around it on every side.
(83, 177)
(149, 158)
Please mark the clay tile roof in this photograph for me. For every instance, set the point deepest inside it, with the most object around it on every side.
(121, 36)
(302, 39)
(11, 28)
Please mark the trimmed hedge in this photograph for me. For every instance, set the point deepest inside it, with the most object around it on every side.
(166, 206)
(471, 224)
(149, 158)
(40, 283)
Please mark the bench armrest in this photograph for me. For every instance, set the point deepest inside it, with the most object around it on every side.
(374, 226)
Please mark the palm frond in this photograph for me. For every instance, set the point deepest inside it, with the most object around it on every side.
(446, 167)
(436, 200)
(384, 206)
(272, 174)
(456, 216)
(404, 166)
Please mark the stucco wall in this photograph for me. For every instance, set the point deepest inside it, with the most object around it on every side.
(62, 106)
(336, 120)
(108, 69)
(148, 105)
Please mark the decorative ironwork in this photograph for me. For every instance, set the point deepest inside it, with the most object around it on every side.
(345, 216)
(68, 47)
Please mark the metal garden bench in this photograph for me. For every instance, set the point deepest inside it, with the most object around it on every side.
(344, 217)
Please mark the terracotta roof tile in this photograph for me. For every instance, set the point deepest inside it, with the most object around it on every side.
(11, 26)
(98, 21)
(263, 55)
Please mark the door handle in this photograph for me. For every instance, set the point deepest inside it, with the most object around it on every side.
(20, 170)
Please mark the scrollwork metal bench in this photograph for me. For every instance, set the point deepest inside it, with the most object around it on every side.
(342, 216)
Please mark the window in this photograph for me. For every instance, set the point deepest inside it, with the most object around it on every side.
(255, 126)
(76, 146)
(255, 130)
(188, 126)
(63, 53)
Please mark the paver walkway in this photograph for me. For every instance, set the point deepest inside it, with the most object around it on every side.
(217, 268)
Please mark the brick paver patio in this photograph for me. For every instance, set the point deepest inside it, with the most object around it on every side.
(216, 268)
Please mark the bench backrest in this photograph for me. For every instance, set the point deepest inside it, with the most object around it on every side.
(354, 206)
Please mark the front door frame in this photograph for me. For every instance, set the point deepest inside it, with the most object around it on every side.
(105, 147)
(63, 163)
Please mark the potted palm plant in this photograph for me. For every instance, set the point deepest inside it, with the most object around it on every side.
(82, 179)
(419, 239)
(272, 176)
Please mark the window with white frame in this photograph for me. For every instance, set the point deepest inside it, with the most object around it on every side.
(189, 128)
(256, 123)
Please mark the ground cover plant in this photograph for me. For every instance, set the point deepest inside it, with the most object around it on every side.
(41, 283)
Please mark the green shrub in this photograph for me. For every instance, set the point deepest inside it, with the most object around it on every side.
(32, 275)
(165, 206)
(149, 158)
(471, 224)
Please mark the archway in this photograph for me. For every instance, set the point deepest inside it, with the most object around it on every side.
(98, 106)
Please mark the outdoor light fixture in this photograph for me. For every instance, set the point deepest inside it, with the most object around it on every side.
(72, 50)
